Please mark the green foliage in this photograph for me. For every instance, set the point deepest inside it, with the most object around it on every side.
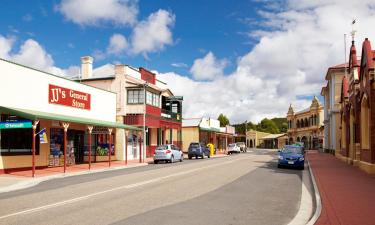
(273, 126)
(223, 120)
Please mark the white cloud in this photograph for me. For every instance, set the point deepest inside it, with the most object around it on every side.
(289, 61)
(32, 54)
(117, 44)
(208, 67)
(5, 46)
(96, 12)
(154, 33)
(179, 65)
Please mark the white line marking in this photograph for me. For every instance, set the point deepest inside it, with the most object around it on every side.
(129, 186)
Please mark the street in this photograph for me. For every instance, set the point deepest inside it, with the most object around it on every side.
(247, 188)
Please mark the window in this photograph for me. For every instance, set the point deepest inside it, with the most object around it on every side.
(153, 99)
(135, 96)
(149, 98)
(365, 142)
(17, 141)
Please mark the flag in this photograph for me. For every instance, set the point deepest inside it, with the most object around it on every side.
(43, 136)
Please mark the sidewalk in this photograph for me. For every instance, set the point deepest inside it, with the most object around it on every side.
(347, 193)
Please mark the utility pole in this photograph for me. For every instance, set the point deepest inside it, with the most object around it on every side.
(245, 135)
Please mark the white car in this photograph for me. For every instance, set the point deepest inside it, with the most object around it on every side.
(233, 148)
(168, 153)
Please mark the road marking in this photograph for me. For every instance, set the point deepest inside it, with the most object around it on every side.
(129, 186)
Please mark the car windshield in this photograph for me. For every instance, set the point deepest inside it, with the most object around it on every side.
(194, 145)
(292, 149)
(162, 147)
(232, 145)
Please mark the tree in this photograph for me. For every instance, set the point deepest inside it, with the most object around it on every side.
(269, 126)
(281, 123)
(223, 120)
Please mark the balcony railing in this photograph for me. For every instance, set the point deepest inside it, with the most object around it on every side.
(170, 115)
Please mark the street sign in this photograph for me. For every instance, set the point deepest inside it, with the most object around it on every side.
(15, 125)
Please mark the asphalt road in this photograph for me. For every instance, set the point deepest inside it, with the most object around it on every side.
(239, 189)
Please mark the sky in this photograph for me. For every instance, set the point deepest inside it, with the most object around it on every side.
(245, 59)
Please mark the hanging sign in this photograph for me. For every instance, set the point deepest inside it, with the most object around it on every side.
(15, 125)
(43, 136)
(68, 97)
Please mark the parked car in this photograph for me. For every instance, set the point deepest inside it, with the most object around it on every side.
(168, 153)
(242, 146)
(233, 148)
(291, 156)
(198, 150)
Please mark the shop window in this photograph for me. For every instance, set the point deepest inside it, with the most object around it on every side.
(17, 141)
(149, 98)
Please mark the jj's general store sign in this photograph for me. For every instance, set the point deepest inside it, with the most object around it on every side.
(64, 96)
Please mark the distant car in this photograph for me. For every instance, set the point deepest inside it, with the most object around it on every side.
(198, 150)
(291, 156)
(242, 146)
(168, 153)
(233, 148)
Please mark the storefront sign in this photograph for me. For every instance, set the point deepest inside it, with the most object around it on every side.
(15, 125)
(64, 96)
(100, 130)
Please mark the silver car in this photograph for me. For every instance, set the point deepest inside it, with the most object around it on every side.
(168, 153)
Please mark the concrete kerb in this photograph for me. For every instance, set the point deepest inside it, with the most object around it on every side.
(304, 214)
(35, 181)
(318, 200)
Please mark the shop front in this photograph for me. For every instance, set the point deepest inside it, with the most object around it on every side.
(50, 121)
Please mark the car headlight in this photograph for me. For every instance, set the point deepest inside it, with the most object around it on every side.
(281, 157)
(301, 159)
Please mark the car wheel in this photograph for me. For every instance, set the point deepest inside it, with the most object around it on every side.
(302, 168)
(155, 161)
(196, 157)
(190, 157)
(278, 166)
(172, 159)
(209, 156)
(182, 158)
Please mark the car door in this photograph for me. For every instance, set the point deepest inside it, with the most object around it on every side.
(175, 152)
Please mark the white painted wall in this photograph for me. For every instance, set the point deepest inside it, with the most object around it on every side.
(25, 88)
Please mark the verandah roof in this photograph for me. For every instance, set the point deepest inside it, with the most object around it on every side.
(37, 115)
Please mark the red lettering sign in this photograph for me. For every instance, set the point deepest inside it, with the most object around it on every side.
(64, 96)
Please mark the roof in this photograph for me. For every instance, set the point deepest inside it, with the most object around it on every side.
(272, 136)
(194, 122)
(37, 115)
(141, 82)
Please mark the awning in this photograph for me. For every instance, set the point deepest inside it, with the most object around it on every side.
(36, 115)
(209, 129)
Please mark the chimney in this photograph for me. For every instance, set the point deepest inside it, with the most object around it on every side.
(86, 67)
(119, 69)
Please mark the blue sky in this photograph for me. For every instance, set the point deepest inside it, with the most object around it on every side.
(246, 59)
(215, 26)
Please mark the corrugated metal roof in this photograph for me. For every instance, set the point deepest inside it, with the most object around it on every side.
(272, 136)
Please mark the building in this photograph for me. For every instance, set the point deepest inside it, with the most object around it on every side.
(357, 144)
(274, 141)
(254, 138)
(206, 130)
(332, 97)
(304, 126)
(142, 101)
(77, 122)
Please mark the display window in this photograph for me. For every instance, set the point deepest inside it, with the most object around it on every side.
(16, 136)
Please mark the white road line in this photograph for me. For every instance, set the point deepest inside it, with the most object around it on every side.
(129, 186)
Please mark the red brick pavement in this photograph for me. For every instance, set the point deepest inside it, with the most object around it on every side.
(347, 193)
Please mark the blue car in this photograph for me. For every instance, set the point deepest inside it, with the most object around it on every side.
(292, 156)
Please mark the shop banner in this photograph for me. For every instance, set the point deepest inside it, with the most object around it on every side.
(15, 125)
(43, 136)
(64, 96)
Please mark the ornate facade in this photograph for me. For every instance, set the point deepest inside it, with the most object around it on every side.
(305, 126)
(357, 144)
